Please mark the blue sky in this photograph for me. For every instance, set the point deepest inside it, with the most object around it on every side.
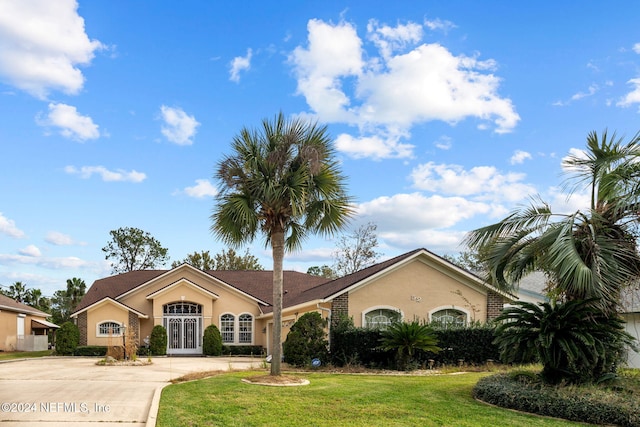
(445, 115)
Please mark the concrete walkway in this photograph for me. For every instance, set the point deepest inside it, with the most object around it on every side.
(75, 392)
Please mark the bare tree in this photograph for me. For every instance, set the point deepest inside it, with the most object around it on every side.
(357, 250)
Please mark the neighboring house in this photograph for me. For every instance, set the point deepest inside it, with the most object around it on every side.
(185, 300)
(22, 328)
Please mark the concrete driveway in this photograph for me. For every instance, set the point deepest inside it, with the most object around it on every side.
(59, 391)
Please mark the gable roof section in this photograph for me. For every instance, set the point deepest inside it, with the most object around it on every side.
(114, 302)
(188, 283)
(337, 287)
(10, 304)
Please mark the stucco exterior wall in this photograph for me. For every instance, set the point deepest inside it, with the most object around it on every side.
(9, 328)
(417, 289)
(107, 311)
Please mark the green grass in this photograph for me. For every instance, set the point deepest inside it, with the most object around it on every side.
(337, 400)
(23, 354)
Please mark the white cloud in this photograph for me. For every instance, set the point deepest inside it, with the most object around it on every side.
(238, 64)
(519, 157)
(53, 263)
(632, 97)
(439, 24)
(636, 48)
(72, 125)
(43, 43)
(179, 127)
(484, 183)
(58, 239)
(86, 172)
(403, 86)
(8, 228)
(376, 146)
(31, 251)
(203, 188)
(444, 142)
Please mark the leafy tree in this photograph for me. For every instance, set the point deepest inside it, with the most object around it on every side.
(212, 341)
(356, 251)
(201, 260)
(67, 339)
(469, 260)
(574, 342)
(324, 271)
(133, 249)
(587, 254)
(64, 302)
(230, 260)
(306, 340)
(407, 337)
(158, 341)
(282, 181)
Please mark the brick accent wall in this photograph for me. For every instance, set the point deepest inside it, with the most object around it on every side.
(495, 304)
(82, 326)
(133, 323)
(339, 307)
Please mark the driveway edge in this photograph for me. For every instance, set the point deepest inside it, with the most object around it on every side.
(152, 417)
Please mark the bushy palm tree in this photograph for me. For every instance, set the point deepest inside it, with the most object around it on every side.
(573, 342)
(587, 254)
(407, 337)
(281, 181)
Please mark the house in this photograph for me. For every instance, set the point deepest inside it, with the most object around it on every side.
(185, 300)
(23, 328)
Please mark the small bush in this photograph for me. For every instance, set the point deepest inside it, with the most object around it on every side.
(212, 341)
(67, 339)
(115, 351)
(306, 341)
(158, 341)
(91, 350)
(242, 350)
(590, 404)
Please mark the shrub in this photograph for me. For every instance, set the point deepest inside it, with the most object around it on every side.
(405, 338)
(158, 341)
(67, 338)
(306, 341)
(526, 392)
(212, 341)
(90, 350)
(242, 350)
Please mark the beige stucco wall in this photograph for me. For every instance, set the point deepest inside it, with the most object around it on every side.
(106, 311)
(417, 289)
(9, 328)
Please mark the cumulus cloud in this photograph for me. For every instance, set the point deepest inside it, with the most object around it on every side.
(53, 263)
(636, 47)
(43, 45)
(58, 239)
(238, 64)
(482, 182)
(8, 228)
(376, 147)
(178, 127)
(404, 84)
(86, 172)
(632, 97)
(71, 124)
(519, 157)
(203, 188)
(31, 250)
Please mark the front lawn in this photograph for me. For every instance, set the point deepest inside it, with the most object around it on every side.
(24, 354)
(337, 400)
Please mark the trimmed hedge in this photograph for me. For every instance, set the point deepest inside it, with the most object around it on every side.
(361, 346)
(242, 350)
(158, 341)
(212, 342)
(525, 392)
(91, 350)
(67, 339)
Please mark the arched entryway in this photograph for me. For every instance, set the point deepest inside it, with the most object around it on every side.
(183, 322)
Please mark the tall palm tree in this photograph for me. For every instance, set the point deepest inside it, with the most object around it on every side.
(76, 288)
(588, 254)
(282, 181)
(18, 291)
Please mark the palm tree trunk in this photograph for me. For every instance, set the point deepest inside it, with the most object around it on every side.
(277, 248)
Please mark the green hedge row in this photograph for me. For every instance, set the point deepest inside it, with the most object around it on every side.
(361, 346)
(524, 392)
(242, 350)
(90, 350)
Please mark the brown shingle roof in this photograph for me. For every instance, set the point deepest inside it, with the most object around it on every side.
(9, 304)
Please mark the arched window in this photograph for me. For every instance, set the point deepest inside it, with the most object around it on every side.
(380, 318)
(109, 329)
(182, 309)
(227, 327)
(449, 318)
(245, 328)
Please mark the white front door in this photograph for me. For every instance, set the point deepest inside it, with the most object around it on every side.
(184, 334)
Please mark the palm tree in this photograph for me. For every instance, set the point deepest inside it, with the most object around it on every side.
(76, 288)
(407, 337)
(588, 254)
(281, 181)
(18, 291)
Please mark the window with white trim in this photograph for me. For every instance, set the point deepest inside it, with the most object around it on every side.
(227, 327)
(381, 318)
(245, 328)
(109, 329)
(449, 318)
